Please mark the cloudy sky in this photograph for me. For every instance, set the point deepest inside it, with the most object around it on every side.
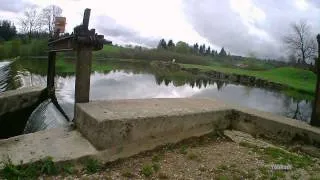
(241, 26)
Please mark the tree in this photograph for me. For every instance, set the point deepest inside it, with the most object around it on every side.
(196, 48)
(300, 42)
(182, 47)
(7, 30)
(208, 51)
(213, 52)
(201, 49)
(31, 21)
(171, 44)
(48, 16)
(162, 44)
(222, 52)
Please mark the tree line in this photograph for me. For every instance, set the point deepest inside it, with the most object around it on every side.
(183, 47)
(35, 27)
(35, 23)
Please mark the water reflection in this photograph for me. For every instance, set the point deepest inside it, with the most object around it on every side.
(124, 85)
(130, 83)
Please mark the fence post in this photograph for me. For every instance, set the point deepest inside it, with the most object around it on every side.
(315, 117)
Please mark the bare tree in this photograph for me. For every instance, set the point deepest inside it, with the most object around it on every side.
(301, 42)
(30, 22)
(48, 16)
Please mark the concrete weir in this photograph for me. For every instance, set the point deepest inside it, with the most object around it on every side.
(15, 108)
(109, 130)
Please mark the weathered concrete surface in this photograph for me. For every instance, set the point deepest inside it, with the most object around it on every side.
(241, 137)
(60, 144)
(122, 128)
(275, 127)
(14, 100)
(108, 124)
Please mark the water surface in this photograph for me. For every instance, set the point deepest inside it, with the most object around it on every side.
(130, 81)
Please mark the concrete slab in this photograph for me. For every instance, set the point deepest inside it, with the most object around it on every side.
(60, 144)
(140, 108)
(109, 123)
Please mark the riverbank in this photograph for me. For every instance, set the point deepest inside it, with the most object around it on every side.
(291, 79)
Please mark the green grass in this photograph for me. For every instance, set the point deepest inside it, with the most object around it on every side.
(295, 78)
(92, 166)
(279, 156)
(147, 170)
(29, 171)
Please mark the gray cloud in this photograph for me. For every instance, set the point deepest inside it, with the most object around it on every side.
(14, 5)
(216, 21)
(109, 27)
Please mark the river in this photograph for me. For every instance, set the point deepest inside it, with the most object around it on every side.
(137, 80)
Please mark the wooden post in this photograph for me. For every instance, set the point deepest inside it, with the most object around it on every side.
(83, 72)
(315, 117)
(83, 67)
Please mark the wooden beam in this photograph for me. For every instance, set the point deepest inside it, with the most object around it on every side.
(62, 44)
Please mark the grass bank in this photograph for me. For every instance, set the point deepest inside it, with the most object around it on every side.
(298, 79)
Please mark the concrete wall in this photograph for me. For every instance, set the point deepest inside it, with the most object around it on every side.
(14, 100)
(15, 109)
(118, 123)
(274, 127)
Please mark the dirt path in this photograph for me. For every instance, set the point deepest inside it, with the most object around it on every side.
(207, 158)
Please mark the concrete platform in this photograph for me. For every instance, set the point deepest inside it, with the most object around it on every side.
(60, 144)
(109, 130)
(109, 123)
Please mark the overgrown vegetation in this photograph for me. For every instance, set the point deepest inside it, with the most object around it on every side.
(30, 171)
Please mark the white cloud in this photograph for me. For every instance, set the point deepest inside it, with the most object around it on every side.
(242, 26)
(301, 4)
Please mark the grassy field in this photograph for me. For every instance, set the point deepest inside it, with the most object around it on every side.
(295, 78)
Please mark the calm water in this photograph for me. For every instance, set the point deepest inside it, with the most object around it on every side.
(128, 82)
